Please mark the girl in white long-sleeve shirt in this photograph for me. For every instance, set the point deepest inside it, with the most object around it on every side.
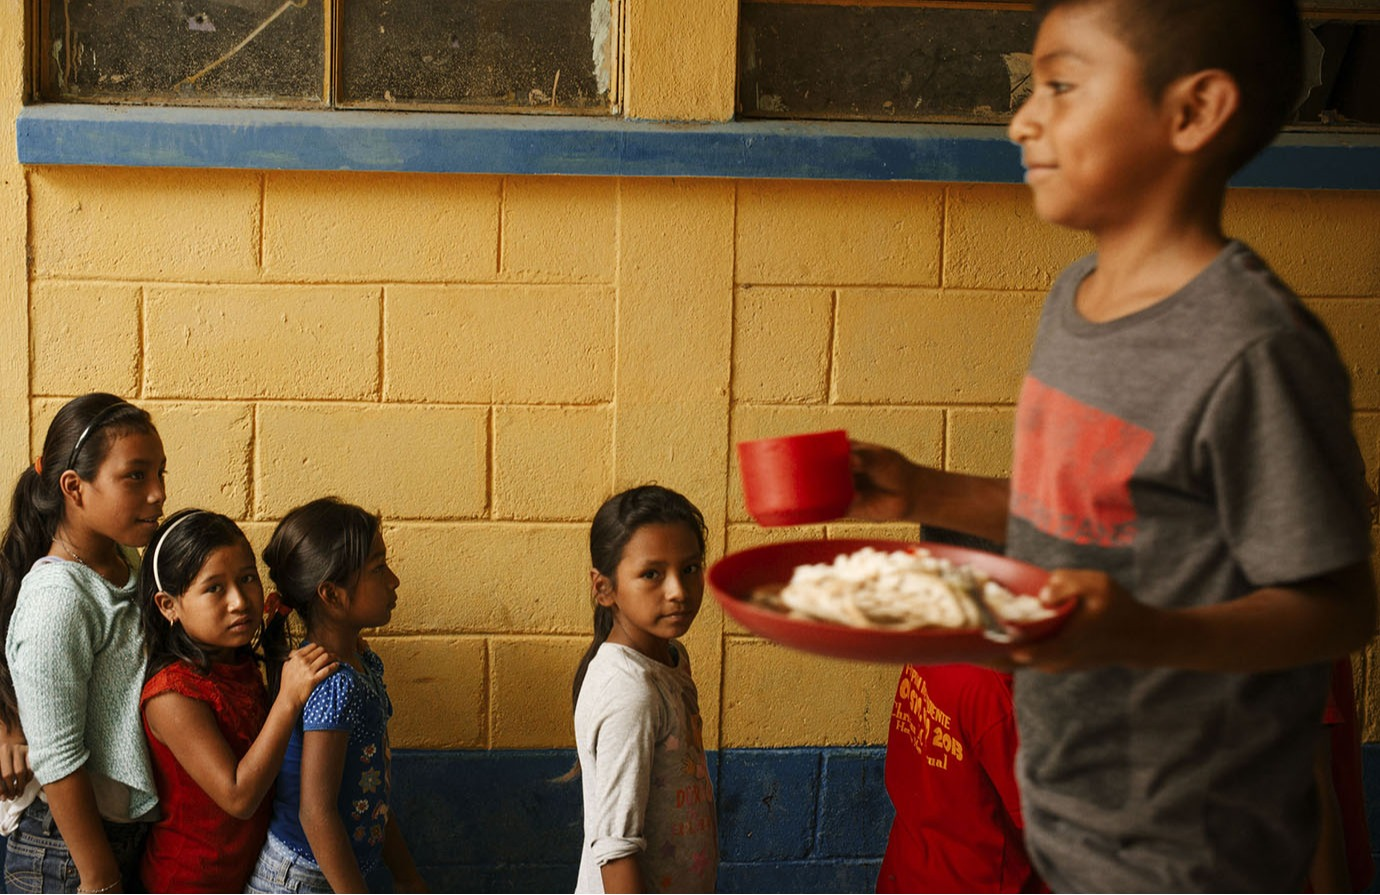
(650, 823)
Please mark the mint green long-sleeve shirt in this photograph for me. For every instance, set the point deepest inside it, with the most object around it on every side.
(75, 651)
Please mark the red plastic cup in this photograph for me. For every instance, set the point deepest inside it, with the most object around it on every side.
(798, 479)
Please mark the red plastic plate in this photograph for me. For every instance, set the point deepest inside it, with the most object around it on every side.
(733, 579)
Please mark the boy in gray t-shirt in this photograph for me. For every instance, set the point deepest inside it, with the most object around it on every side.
(1183, 460)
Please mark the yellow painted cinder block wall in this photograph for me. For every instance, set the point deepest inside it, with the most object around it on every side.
(483, 359)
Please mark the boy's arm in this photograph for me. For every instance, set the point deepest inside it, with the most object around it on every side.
(890, 488)
(1265, 630)
(323, 767)
(73, 804)
(399, 859)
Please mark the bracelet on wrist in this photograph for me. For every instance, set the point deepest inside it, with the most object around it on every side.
(108, 888)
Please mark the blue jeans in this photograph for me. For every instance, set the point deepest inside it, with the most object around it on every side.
(37, 860)
(280, 869)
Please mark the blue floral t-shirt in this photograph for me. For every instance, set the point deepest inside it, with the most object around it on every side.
(347, 700)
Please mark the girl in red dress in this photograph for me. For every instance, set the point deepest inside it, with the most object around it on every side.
(215, 742)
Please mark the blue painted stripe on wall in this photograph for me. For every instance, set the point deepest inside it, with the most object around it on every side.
(143, 136)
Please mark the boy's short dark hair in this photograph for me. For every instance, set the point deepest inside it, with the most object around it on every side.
(1258, 42)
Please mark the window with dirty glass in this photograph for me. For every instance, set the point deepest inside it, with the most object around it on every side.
(554, 56)
(969, 62)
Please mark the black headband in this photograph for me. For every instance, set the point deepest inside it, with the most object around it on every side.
(92, 426)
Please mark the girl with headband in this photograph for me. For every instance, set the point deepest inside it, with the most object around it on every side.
(214, 739)
(74, 650)
(215, 742)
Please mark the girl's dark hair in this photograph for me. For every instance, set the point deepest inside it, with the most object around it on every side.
(173, 559)
(79, 438)
(326, 540)
(614, 525)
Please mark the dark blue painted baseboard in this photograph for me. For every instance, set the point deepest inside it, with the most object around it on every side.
(790, 820)
(807, 820)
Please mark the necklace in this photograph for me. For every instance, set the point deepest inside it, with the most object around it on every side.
(68, 547)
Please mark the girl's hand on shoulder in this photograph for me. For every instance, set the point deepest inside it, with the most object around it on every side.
(304, 668)
(1106, 627)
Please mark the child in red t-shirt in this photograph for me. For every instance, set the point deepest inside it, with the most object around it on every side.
(950, 774)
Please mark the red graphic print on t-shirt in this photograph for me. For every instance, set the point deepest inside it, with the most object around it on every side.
(1073, 467)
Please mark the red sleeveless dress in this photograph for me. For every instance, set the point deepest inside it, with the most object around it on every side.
(197, 846)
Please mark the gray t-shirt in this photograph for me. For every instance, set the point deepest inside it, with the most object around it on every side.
(1195, 451)
(642, 765)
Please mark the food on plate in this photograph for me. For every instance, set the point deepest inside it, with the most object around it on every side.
(897, 590)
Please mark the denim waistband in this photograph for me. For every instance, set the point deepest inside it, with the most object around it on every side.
(41, 830)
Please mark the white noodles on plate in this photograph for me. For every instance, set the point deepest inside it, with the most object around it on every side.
(899, 590)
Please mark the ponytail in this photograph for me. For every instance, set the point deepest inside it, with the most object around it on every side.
(275, 644)
(35, 511)
(78, 439)
(326, 540)
(603, 626)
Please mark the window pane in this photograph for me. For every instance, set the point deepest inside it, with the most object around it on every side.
(509, 55)
(811, 60)
(227, 52)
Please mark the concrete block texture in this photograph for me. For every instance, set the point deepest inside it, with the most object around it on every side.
(924, 346)
(978, 440)
(209, 454)
(854, 810)
(560, 229)
(504, 820)
(63, 315)
(1367, 427)
(380, 227)
(775, 697)
(145, 224)
(675, 324)
(300, 342)
(993, 240)
(1321, 243)
(781, 344)
(676, 72)
(529, 687)
(1355, 327)
(484, 359)
(506, 344)
(490, 578)
(15, 361)
(404, 462)
(551, 462)
(834, 233)
(438, 688)
(767, 804)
